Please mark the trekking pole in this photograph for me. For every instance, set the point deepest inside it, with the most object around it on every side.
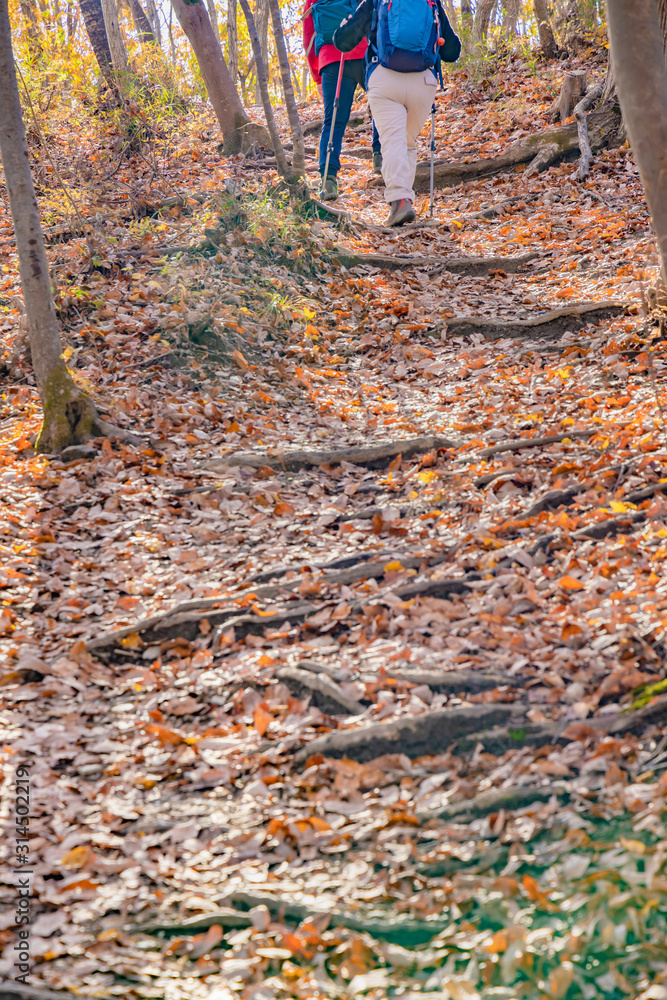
(432, 154)
(333, 118)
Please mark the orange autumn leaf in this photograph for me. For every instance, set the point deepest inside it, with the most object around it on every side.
(261, 719)
(532, 889)
(319, 824)
(569, 583)
(240, 361)
(203, 943)
(165, 737)
(79, 857)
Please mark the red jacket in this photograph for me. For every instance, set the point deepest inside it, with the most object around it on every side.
(328, 53)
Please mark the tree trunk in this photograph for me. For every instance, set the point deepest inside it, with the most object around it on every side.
(154, 18)
(116, 43)
(35, 46)
(299, 151)
(237, 130)
(451, 12)
(466, 13)
(172, 45)
(483, 14)
(638, 57)
(213, 16)
(545, 31)
(662, 14)
(141, 23)
(69, 416)
(232, 41)
(72, 22)
(572, 89)
(93, 18)
(281, 159)
(511, 10)
(262, 23)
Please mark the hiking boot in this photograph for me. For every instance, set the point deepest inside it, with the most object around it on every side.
(377, 163)
(401, 212)
(329, 190)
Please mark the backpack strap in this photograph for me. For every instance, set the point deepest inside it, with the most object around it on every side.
(372, 34)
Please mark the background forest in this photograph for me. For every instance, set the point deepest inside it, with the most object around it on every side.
(333, 606)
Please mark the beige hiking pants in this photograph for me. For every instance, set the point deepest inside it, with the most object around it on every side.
(400, 103)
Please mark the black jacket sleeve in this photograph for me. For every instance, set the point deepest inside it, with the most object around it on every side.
(450, 50)
(355, 27)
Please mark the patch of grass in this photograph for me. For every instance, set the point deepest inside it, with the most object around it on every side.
(646, 692)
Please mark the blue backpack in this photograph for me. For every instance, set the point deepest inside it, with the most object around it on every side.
(327, 18)
(407, 34)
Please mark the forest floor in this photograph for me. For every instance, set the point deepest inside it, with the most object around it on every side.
(396, 739)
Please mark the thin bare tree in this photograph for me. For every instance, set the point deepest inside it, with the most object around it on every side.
(281, 159)
(141, 23)
(262, 24)
(69, 415)
(116, 42)
(298, 146)
(232, 41)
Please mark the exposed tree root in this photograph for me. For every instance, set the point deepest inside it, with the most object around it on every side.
(374, 457)
(518, 444)
(586, 158)
(324, 693)
(185, 619)
(397, 930)
(497, 728)
(558, 498)
(546, 325)
(493, 857)
(456, 681)
(70, 417)
(540, 149)
(554, 499)
(17, 991)
(491, 802)
(499, 207)
(430, 733)
(457, 265)
(316, 126)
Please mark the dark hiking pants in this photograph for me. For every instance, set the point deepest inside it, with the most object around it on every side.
(353, 76)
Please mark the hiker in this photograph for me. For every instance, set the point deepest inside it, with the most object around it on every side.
(407, 39)
(326, 63)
